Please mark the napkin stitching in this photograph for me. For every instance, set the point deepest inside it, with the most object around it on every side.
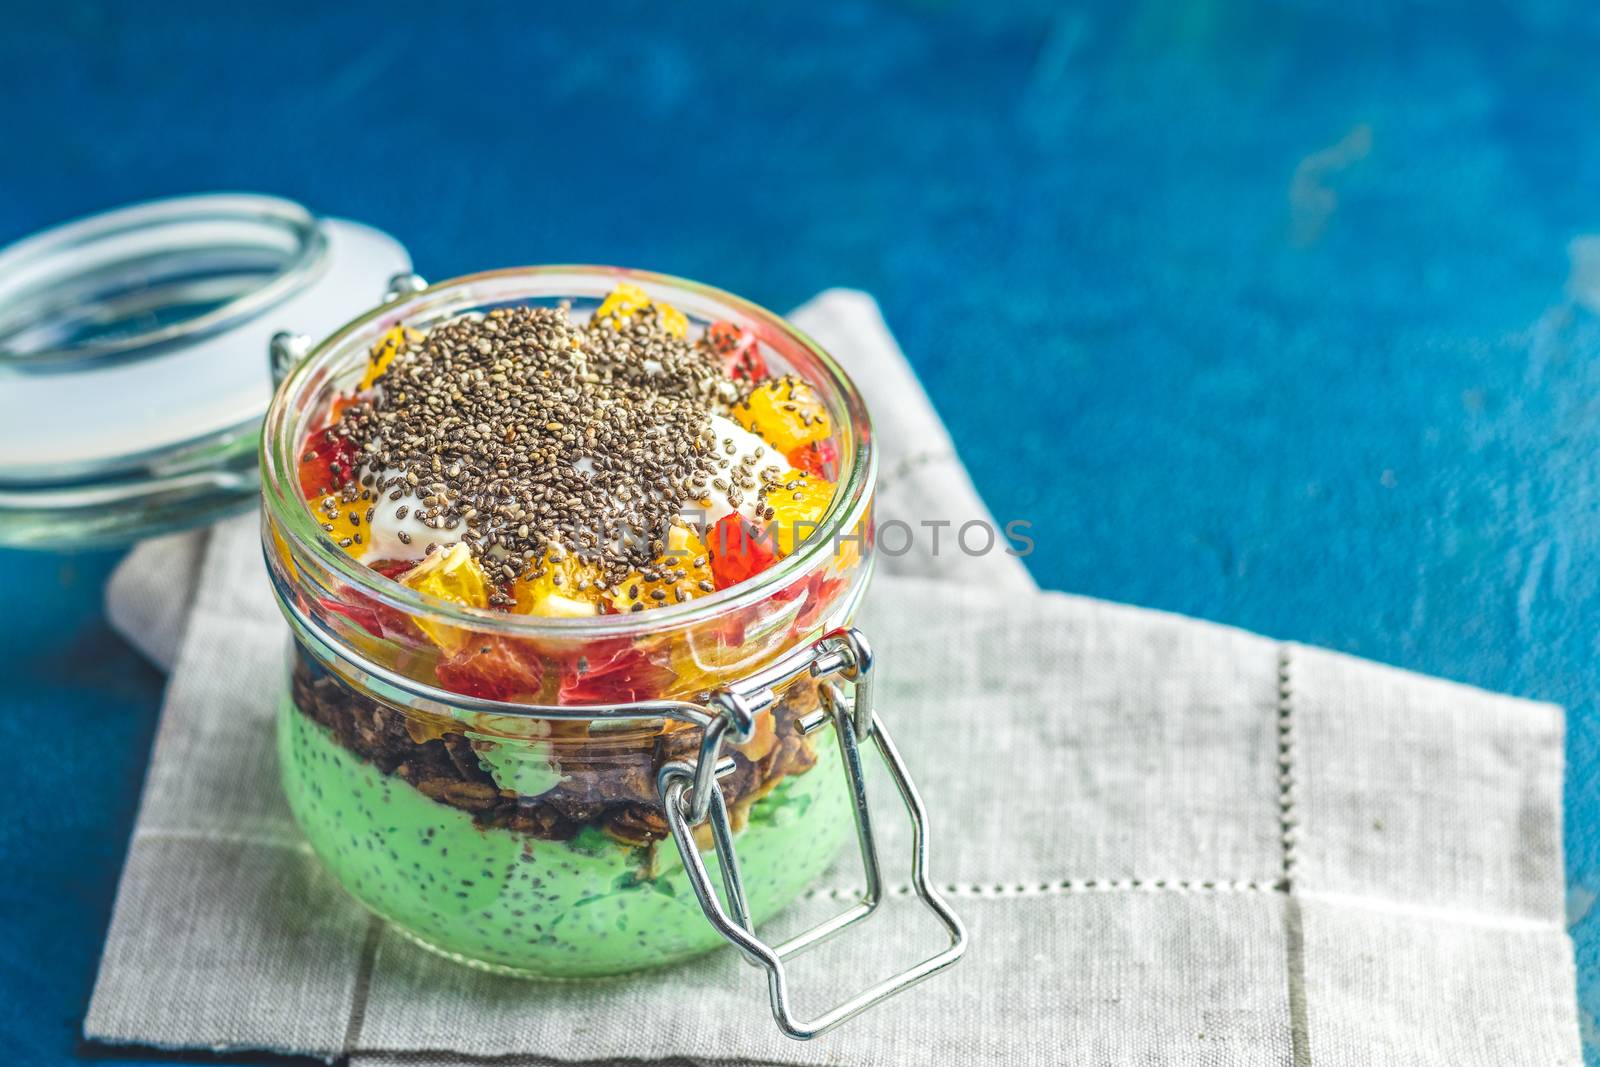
(361, 991)
(1293, 920)
(1287, 818)
(1025, 888)
(1065, 886)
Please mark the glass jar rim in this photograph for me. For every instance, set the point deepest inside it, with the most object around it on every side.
(281, 493)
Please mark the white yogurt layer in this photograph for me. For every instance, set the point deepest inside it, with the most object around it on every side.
(745, 444)
(383, 532)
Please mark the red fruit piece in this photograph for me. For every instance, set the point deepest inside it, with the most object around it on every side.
(741, 355)
(392, 568)
(326, 462)
(375, 618)
(355, 608)
(795, 589)
(392, 622)
(731, 630)
(821, 592)
(613, 672)
(493, 668)
(820, 458)
(738, 550)
(818, 590)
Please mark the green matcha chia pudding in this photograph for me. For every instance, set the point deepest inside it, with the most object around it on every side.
(592, 903)
(568, 555)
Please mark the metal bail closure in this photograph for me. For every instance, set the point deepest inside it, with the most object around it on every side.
(691, 794)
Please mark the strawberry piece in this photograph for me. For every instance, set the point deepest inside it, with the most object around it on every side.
(741, 355)
(493, 668)
(612, 672)
(737, 550)
(326, 462)
(820, 458)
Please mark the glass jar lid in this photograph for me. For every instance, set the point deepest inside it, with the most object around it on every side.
(134, 367)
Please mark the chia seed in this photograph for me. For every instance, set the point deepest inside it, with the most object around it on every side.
(527, 427)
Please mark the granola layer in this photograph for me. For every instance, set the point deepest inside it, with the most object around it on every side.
(603, 782)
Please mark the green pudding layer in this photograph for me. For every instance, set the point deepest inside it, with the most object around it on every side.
(517, 903)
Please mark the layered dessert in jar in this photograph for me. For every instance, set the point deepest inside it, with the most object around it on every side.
(543, 489)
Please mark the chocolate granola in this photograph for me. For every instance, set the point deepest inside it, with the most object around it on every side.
(609, 783)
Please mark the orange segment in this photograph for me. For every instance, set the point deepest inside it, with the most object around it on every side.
(568, 588)
(626, 300)
(785, 412)
(344, 524)
(450, 574)
(384, 351)
(281, 547)
(673, 321)
(797, 501)
(686, 568)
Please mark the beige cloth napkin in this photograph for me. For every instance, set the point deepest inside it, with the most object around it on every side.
(1174, 843)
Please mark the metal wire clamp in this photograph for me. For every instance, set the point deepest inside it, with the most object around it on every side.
(690, 794)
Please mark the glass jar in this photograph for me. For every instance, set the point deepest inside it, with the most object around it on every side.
(533, 795)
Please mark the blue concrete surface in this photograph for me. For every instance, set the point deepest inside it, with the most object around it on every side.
(1299, 281)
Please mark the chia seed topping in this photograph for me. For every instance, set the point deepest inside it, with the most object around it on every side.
(523, 433)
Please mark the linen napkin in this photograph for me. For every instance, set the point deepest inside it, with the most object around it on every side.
(1173, 842)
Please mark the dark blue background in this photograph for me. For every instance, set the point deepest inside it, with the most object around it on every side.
(1262, 314)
